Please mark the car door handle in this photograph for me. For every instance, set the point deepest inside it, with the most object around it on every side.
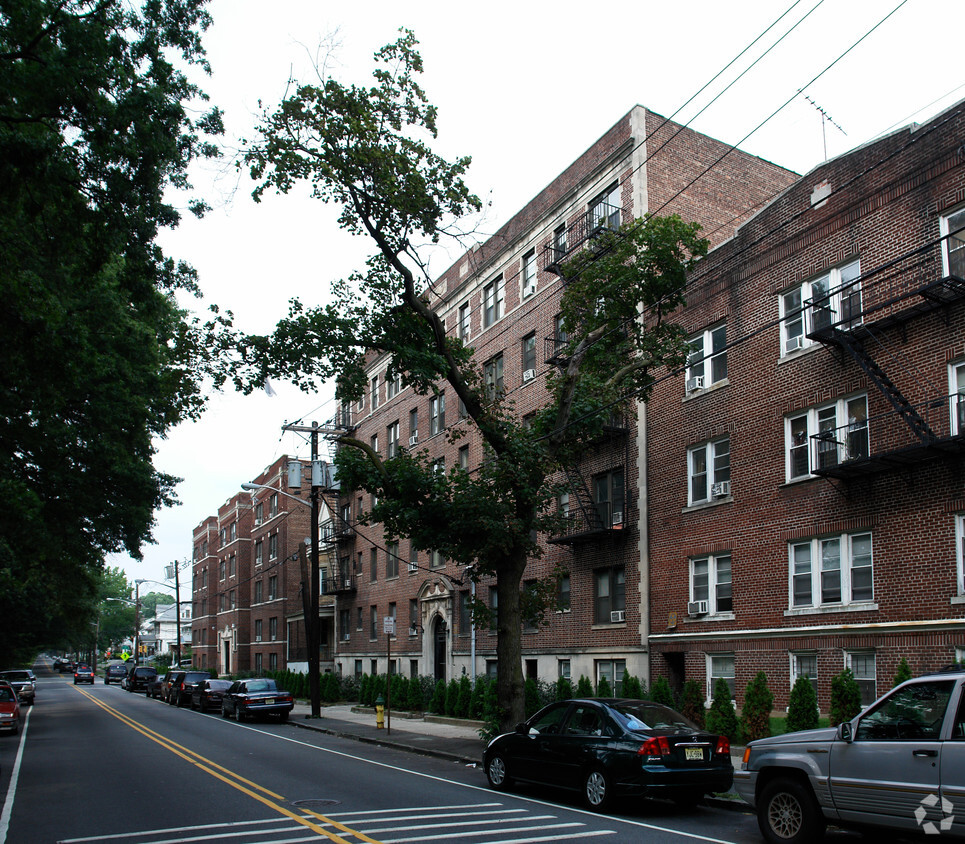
(924, 753)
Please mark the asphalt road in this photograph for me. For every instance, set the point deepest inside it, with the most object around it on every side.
(97, 764)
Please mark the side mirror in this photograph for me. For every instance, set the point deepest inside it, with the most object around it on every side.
(522, 729)
(844, 732)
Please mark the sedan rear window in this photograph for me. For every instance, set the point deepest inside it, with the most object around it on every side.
(651, 716)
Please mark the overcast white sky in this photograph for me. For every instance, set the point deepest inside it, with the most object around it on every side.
(524, 88)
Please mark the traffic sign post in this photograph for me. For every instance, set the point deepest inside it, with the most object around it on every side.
(388, 625)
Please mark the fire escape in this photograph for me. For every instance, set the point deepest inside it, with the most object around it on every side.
(339, 533)
(909, 433)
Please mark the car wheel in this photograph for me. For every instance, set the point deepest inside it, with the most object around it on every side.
(497, 772)
(787, 813)
(688, 799)
(597, 789)
(224, 712)
(238, 717)
(283, 717)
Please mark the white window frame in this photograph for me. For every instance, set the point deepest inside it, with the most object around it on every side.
(795, 658)
(374, 401)
(494, 301)
(606, 210)
(437, 414)
(950, 223)
(706, 465)
(392, 386)
(700, 362)
(848, 415)
(956, 396)
(465, 322)
(720, 665)
(841, 287)
(719, 579)
(392, 439)
(960, 552)
(868, 685)
(826, 564)
(528, 273)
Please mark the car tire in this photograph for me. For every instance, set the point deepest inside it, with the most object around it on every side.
(688, 799)
(224, 712)
(597, 789)
(238, 716)
(283, 717)
(787, 813)
(497, 772)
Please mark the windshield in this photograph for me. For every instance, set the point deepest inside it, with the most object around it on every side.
(15, 675)
(651, 716)
(262, 686)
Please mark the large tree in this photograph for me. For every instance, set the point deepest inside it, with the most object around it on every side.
(367, 149)
(99, 120)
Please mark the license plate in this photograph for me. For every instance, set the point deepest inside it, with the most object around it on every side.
(694, 754)
(269, 700)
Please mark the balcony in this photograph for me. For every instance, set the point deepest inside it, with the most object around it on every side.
(583, 234)
(885, 442)
(590, 523)
(338, 585)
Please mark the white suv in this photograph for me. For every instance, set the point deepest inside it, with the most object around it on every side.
(899, 765)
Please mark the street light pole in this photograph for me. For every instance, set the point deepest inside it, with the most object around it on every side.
(137, 621)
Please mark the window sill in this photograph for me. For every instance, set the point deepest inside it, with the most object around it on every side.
(703, 391)
(786, 357)
(958, 599)
(703, 505)
(617, 625)
(864, 606)
(719, 616)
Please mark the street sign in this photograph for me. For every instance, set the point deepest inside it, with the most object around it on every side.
(388, 625)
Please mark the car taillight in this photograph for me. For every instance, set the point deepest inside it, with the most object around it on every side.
(287, 698)
(655, 747)
(723, 746)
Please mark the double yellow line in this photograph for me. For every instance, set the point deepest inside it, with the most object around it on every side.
(239, 783)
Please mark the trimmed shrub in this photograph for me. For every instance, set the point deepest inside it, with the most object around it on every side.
(630, 687)
(437, 705)
(365, 690)
(477, 701)
(531, 697)
(452, 697)
(603, 688)
(903, 673)
(802, 707)
(758, 703)
(584, 688)
(465, 695)
(660, 692)
(564, 689)
(721, 717)
(845, 697)
(692, 703)
(413, 699)
(492, 717)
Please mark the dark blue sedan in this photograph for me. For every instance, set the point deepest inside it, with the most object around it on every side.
(251, 698)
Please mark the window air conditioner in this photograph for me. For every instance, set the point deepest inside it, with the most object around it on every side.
(258, 522)
(617, 615)
(348, 582)
(793, 344)
(529, 290)
(697, 608)
(529, 374)
(617, 517)
(413, 439)
(257, 638)
(695, 383)
(720, 489)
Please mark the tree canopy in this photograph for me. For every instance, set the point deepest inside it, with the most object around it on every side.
(366, 149)
(99, 121)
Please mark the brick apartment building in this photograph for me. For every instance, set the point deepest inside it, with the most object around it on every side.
(247, 599)
(503, 298)
(806, 474)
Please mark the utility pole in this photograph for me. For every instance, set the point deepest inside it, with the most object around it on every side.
(173, 573)
(312, 632)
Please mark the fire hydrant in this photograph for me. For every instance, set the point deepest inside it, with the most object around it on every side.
(380, 712)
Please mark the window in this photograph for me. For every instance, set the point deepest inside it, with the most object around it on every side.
(953, 228)
(559, 243)
(719, 667)
(529, 273)
(358, 625)
(960, 551)
(611, 670)
(259, 591)
(609, 595)
(608, 494)
(221, 569)
(439, 465)
(465, 616)
(392, 614)
(805, 665)
(373, 622)
(831, 570)
(529, 590)
(494, 296)
(232, 599)
(493, 377)
(464, 327)
(223, 536)
(862, 665)
(272, 587)
(392, 440)
(822, 437)
(563, 669)
(273, 628)
(273, 505)
(413, 426)
(273, 547)
(707, 359)
(232, 531)
(529, 356)
(563, 594)
(710, 581)
(259, 552)
(463, 461)
(605, 210)
(259, 513)
(436, 560)
(259, 662)
(375, 392)
(437, 414)
(413, 557)
(832, 300)
(493, 608)
(374, 442)
(413, 616)
(956, 377)
(232, 566)
(393, 386)
(373, 564)
(392, 559)
(708, 468)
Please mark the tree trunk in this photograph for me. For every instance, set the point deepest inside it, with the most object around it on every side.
(509, 646)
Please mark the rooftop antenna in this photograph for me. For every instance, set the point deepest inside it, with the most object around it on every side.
(825, 118)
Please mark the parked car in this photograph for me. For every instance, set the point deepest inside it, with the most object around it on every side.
(138, 676)
(183, 686)
(208, 694)
(605, 748)
(9, 709)
(83, 673)
(259, 696)
(23, 684)
(898, 766)
(165, 683)
(115, 673)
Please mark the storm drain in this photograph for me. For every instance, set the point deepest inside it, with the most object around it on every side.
(314, 803)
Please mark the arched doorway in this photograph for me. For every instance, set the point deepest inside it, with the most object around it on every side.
(439, 649)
